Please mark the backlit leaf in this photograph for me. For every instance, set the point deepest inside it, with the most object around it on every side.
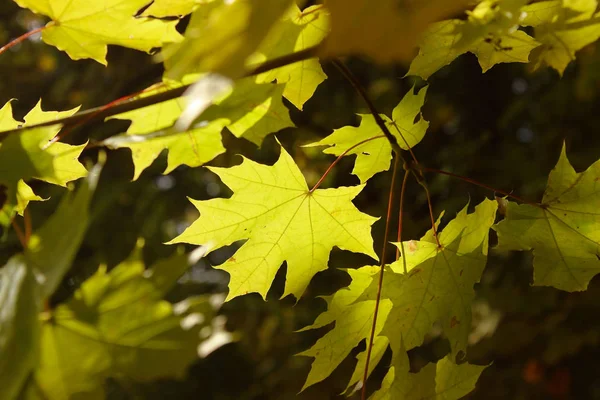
(562, 232)
(375, 155)
(561, 30)
(170, 8)
(150, 133)
(84, 28)
(117, 325)
(26, 155)
(273, 209)
(221, 36)
(296, 31)
(490, 32)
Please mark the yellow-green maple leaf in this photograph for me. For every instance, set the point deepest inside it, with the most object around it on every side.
(374, 156)
(253, 110)
(443, 380)
(561, 30)
(25, 155)
(386, 32)
(84, 28)
(148, 135)
(296, 31)
(273, 209)
(490, 32)
(437, 287)
(222, 35)
(118, 325)
(563, 231)
(354, 320)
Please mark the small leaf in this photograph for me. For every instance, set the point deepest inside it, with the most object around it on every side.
(84, 28)
(563, 29)
(374, 156)
(282, 221)
(25, 155)
(563, 232)
(297, 30)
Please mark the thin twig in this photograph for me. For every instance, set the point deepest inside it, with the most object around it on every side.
(19, 233)
(400, 215)
(339, 158)
(101, 112)
(21, 38)
(380, 283)
(483, 185)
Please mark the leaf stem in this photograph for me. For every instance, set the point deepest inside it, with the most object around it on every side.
(483, 185)
(27, 222)
(19, 233)
(400, 215)
(333, 164)
(102, 112)
(380, 122)
(380, 283)
(21, 38)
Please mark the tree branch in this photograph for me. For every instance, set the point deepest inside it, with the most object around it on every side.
(102, 112)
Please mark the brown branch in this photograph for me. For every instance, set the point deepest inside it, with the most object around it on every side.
(100, 113)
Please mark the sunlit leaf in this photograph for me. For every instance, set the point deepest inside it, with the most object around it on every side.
(117, 325)
(84, 28)
(297, 30)
(375, 155)
(561, 30)
(273, 209)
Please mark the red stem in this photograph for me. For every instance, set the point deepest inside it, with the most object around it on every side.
(406, 173)
(21, 38)
(333, 164)
(476, 183)
(27, 220)
(19, 233)
(380, 283)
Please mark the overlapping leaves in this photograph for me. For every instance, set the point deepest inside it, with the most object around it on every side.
(437, 286)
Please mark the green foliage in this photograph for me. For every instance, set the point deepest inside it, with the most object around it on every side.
(283, 220)
(374, 156)
(119, 323)
(83, 29)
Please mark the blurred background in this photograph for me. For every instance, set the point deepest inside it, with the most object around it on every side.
(504, 128)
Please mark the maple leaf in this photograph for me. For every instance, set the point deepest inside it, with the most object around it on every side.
(441, 380)
(84, 28)
(253, 110)
(221, 35)
(375, 155)
(297, 30)
(385, 33)
(282, 220)
(490, 32)
(438, 286)
(24, 155)
(148, 136)
(562, 232)
(561, 30)
(117, 325)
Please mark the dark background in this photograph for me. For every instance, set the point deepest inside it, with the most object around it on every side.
(504, 128)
